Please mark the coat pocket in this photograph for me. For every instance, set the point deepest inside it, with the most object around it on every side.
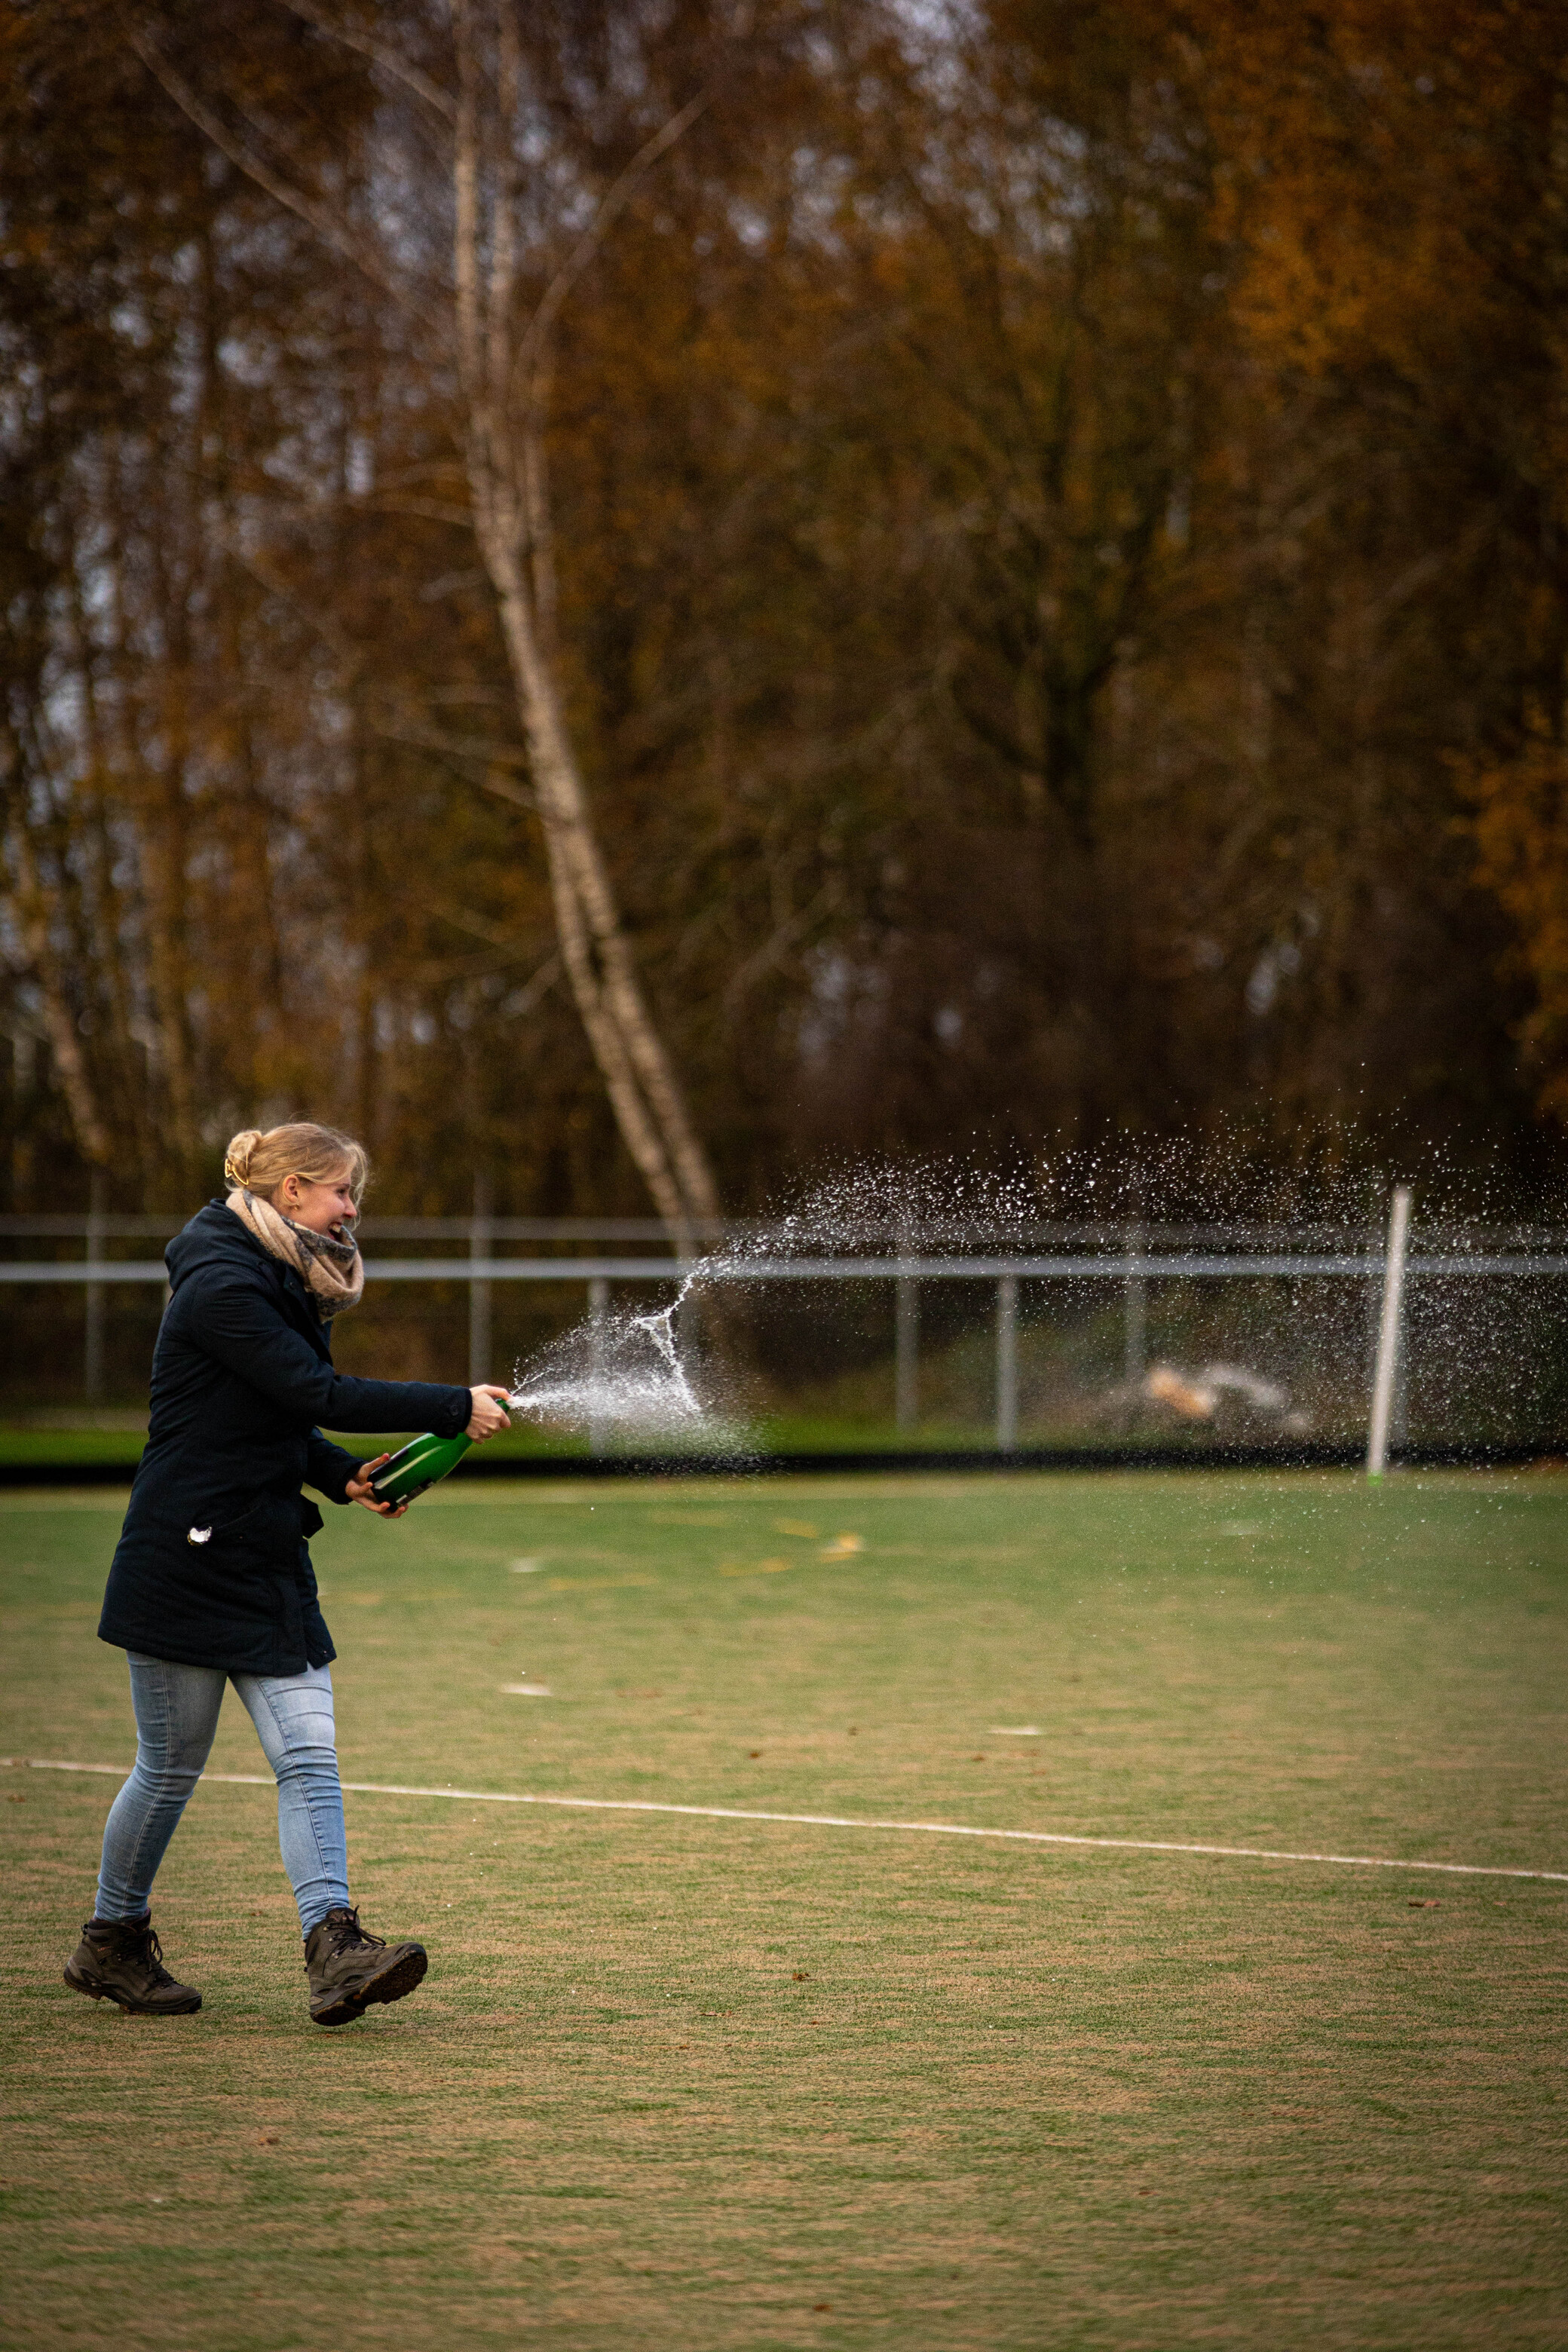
(268, 1530)
(220, 1531)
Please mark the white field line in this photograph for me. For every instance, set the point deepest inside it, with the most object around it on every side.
(834, 1821)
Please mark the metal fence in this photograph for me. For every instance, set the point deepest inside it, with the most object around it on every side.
(1128, 1259)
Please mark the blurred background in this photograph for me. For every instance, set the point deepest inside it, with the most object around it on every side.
(636, 602)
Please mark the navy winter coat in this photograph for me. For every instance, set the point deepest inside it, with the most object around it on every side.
(242, 1375)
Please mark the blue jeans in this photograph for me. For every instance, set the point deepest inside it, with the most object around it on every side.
(176, 1717)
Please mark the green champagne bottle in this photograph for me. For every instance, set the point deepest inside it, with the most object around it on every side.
(418, 1466)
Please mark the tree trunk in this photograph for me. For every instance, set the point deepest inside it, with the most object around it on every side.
(502, 378)
(644, 1091)
(507, 485)
(34, 913)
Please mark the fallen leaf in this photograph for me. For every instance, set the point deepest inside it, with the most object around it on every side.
(597, 1583)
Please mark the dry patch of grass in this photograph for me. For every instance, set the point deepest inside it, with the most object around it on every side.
(693, 2084)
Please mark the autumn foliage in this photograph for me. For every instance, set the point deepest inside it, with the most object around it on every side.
(1046, 546)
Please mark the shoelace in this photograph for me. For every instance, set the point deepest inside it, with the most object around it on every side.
(344, 1933)
(152, 1954)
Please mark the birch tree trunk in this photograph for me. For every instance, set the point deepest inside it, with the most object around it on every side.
(503, 375)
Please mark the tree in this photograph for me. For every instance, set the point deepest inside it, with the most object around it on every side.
(1521, 828)
(502, 231)
(1009, 538)
(1397, 188)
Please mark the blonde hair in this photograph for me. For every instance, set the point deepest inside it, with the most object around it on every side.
(259, 1162)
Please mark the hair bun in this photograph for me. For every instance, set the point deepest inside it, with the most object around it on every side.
(260, 1162)
(237, 1159)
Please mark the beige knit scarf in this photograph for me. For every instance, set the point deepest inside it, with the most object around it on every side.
(333, 1271)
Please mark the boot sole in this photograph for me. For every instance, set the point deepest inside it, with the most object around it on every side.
(134, 2007)
(392, 1984)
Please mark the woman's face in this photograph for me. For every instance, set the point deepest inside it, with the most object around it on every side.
(328, 1207)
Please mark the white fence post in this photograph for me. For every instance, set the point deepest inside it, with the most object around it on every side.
(1389, 1333)
(905, 1353)
(1008, 1363)
(1135, 1310)
(598, 1318)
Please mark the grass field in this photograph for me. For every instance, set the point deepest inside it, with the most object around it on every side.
(680, 2083)
(38, 1450)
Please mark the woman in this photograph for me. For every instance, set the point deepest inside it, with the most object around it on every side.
(212, 1582)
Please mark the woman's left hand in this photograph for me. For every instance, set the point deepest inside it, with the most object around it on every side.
(358, 1490)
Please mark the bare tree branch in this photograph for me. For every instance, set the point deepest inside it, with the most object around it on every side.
(533, 989)
(503, 207)
(776, 949)
(391, 62)
(267, 575)
(425, 510)
(471, 750)
(611, 206)
(477, 927)
(317, 217)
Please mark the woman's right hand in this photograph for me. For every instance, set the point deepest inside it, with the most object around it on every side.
(360, 1490)
(490, 1412)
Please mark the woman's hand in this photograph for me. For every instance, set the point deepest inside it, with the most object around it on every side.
(358, 1490)
(490, 1412)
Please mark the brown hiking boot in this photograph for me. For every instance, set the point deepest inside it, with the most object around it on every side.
(122, 1960)
(349, 1969)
